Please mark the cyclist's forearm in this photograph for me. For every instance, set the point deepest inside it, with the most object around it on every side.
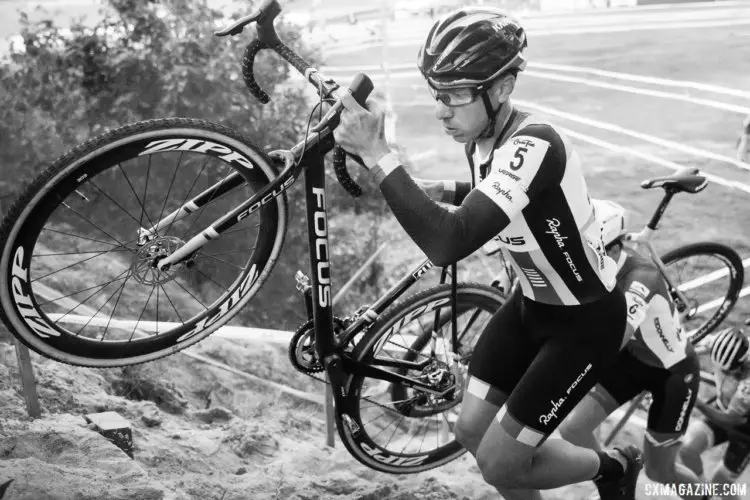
(444, 191)
(719, 417)
(445, 236)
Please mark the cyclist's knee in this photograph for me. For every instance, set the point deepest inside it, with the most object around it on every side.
(476, 417)
(502, 470)
(507, 468)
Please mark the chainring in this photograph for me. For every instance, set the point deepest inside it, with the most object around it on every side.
(302, 352)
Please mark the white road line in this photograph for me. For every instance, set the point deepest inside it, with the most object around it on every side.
(743, 110)
(666, 82)
(707, 278)
(348, 47)
(638, 135)
(614, 147)
(653, 158)
(717, 302)
(628, 150)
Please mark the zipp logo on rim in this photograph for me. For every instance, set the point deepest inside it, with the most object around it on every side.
(384, 458)
(227, 306)
(19, 287)
(197, 146)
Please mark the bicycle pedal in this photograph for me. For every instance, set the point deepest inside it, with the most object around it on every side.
(303, 281)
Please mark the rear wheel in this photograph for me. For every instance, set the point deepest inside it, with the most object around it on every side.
(710, 276)
(79, 280)
(398, 429)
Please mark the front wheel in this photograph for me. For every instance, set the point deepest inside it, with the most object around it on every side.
(80, 246)
(710, 276)
(396, 429)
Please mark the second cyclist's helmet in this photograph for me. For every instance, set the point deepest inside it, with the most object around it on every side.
(730, 349)
(472, 46)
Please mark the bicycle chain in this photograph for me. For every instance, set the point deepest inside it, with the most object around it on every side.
(298, 348)
(310, 369)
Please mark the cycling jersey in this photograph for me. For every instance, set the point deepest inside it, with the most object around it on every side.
(544, 349)
(534, 196)
(657, 357)
(658, 338)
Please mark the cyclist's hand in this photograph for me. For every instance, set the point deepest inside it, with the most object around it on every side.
(362, 131)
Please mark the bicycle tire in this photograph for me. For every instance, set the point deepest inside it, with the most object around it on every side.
(726, 257)
(362, 443)
(95, 185)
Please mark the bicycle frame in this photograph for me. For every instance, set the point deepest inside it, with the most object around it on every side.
(644, 238)
(340, 368)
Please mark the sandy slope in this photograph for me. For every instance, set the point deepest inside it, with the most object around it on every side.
(199, 433)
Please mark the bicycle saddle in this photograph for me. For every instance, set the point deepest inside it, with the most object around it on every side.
(683, 180)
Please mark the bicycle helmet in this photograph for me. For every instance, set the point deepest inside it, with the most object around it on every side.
(730, 349)
(473, 47)
(611, 216)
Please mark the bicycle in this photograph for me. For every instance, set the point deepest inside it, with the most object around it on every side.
(692, 302)
(95, 204)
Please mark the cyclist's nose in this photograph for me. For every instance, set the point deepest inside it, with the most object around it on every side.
(442, 112)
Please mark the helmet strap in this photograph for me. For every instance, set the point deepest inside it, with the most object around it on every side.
(492, 114)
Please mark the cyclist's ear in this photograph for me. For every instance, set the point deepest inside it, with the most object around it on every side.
(503, 87)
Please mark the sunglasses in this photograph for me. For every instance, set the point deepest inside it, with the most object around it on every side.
(455, 97)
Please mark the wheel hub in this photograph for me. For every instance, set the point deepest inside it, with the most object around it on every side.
(145, 269)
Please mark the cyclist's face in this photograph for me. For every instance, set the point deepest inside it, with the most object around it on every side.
(463, 121)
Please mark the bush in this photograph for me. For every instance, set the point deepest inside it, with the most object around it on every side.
(159, 58)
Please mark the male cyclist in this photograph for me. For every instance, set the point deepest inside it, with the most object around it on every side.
(727, 418)
(658, 359)
(549, 343)
(743, 144)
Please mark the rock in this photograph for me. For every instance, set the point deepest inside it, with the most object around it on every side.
(240, 471)
(150, 414)
(59, 458)
(140, 384)
(215, 414)
(248, 438)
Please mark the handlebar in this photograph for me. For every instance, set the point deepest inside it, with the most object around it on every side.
(327, 88)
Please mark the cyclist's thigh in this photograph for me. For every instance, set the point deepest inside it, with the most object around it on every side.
(502, 354)
(674, 394)
(620, 383)
(578, 427)
(499, 360)
(578, 349)
(475, 418)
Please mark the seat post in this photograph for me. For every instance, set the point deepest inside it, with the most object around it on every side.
(669, 192)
